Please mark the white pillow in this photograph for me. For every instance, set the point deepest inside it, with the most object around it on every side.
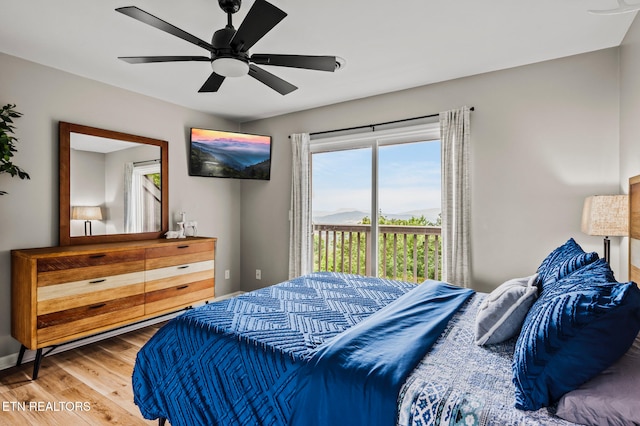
(503, 311)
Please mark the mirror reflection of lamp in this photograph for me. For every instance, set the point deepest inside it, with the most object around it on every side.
(86, 213)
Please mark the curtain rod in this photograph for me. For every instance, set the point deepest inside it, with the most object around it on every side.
(373, 126)
(145, 162)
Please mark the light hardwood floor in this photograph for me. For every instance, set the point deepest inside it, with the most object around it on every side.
(96, 376)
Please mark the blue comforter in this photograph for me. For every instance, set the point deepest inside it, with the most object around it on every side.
(236, 362)
(355, 378)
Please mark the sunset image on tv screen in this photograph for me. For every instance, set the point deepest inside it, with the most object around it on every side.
(216, 153)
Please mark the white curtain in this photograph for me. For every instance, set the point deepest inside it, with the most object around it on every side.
(129, 199)
(456, 217)
(300, 229)
(142, 198)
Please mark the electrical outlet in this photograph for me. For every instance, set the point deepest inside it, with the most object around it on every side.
(258, 274)
(227, 274)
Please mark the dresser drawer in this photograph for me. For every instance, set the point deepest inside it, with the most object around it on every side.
(87, 260)
(59, 326)
(63, 269)
(175, 287)
(179, 296)
(171, 276)
(85, 292)
(189, 252)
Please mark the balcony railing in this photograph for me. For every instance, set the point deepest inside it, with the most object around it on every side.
(409, 253)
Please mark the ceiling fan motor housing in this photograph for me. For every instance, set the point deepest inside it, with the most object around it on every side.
(221, 40)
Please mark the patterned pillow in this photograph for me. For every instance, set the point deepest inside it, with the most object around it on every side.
(502, 312)
(564, 260)
(577, 328)
(582, 279)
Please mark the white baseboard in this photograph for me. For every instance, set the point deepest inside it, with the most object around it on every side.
(9, 361)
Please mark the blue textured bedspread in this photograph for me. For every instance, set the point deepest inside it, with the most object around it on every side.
(460, 383)
(355, 378)
(235, 362)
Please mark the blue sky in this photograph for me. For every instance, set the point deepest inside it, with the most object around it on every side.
(409, 178)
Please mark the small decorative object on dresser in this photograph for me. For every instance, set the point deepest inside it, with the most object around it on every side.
(60, 294)
(191, 228)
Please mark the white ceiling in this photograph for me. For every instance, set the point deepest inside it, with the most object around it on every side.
(388, 45)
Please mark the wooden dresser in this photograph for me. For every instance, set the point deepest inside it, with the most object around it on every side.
(59, 294)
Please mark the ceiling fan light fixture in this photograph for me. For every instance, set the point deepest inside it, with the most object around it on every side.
(230, 67)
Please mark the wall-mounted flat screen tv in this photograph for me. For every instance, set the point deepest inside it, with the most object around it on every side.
(216, 153)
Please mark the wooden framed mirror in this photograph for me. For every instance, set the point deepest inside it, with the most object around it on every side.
(113, 186)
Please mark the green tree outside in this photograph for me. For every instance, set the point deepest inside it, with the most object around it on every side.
(155, 178)
(351, 264)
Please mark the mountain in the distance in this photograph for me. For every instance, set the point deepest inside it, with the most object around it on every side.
(351, 217)
(227, 161)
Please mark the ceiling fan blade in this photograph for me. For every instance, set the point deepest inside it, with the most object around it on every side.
(623, 7)
(158, 23)
(212, 84)
(321, 63)
(260, 19)
(276, 83)
(149, 59)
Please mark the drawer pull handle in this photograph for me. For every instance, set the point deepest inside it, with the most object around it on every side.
(182, 287)
(96, 256)
(97, 281)
(183, 267)
(181, 247)
(97, 306)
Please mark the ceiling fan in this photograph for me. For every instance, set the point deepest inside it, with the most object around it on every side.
(229, 48)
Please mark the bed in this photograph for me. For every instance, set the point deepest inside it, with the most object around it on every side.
(554, 348)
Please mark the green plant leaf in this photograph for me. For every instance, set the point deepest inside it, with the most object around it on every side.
(8, 142)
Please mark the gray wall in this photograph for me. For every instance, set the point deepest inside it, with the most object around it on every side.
(29, 214)
(88, 178)
(544, 137)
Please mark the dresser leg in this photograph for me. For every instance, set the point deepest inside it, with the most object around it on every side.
(21, 355)
(36, 363)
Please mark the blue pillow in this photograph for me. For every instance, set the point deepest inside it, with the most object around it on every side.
(564, 260)
(582, 279)
(578, 327)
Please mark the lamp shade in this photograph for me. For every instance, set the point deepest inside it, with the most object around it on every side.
(606, 215)
(86, 213)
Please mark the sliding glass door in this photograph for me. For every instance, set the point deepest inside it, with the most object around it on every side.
(376, 205)
(341, 188)
(409, 187)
